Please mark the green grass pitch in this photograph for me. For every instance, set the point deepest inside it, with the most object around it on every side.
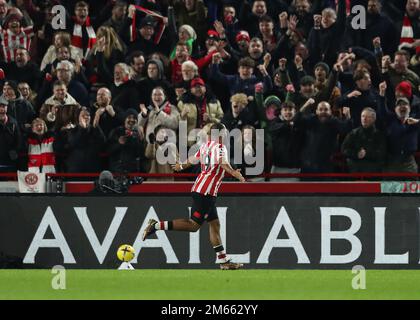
(209, 284)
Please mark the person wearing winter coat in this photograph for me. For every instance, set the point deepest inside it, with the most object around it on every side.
(365, 146)
(199, 108)
(18, 108)
(40, 146)
(10, 139)
(160, 113)
(85, 142)
(126, 146)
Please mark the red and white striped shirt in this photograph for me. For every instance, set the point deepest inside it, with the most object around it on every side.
(10, 41)
(211, 155)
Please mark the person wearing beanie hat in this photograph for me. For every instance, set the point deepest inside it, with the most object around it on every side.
(402, 131)
(324, 66)
(321, 72)
(126, 145)
(186, 34)
(243, 40)
(272, 106)
(405, 90)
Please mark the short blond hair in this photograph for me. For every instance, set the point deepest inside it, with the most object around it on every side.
(239, 98)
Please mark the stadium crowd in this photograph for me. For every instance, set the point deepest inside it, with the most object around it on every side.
(107, 91)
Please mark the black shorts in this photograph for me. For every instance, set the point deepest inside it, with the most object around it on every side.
(203, 208)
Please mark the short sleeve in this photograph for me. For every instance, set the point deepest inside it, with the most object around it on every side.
(222, 154)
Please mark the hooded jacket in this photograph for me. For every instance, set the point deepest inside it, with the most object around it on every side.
(147, 85)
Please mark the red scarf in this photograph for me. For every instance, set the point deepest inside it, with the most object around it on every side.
(203, 110)
(407, 33)
(158, 17)
(77, 37)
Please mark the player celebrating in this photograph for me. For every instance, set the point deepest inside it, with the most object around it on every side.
(213, 157)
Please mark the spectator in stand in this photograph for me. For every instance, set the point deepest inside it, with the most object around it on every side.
(405, 90)
(249, 16)
(321, 71)
(103, 109)
(365, 147)
(137, 62)
(245, 80)
(27, 93)
(144, 39)
(61, 39)
(267, 33)
(399, 71)
(106, 53)
(240, 113)
(126, 146)
(377, 25)
(155, 78)
(4, 7)
(192, 12)
(182, 55)
(61, 109)
(124, 90)
(363, 97)
(23, 69)
(304, 13)
(159, 113)
(402, 134)
(285, 142)
(308, 91)
(199, 108)
(118, 20)
(230, 22)
(85, 142)
(9, 140)
(13, 35)
(40, 146)
(82, 30)
(161, 152)
(18, 108)
(320, 132)
(326, 36)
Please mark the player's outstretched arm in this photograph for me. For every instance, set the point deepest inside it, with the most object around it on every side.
(234, 173)
(182, 166)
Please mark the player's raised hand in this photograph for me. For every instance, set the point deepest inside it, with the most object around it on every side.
(238, 175)
(177, 167)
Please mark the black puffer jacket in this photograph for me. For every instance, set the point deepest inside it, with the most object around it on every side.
(84, 147)
(126, 157)
(9, 142)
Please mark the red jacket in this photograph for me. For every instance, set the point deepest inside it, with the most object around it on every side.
(176, 72)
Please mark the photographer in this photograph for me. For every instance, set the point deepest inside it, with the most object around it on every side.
(126, 146)
(161, 152)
